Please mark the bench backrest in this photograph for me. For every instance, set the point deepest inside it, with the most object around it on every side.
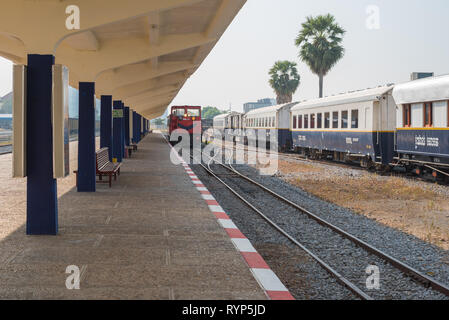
(102, 156)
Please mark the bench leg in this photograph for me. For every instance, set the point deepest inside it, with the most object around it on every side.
(115, 176)
(110, 181)
(101, 177)
(118, 171)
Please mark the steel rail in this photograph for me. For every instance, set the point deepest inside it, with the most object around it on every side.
(340, 278)
(436, 285)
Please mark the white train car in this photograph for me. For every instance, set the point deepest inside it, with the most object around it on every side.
(422, 126)
(355, 126)
(265, 120)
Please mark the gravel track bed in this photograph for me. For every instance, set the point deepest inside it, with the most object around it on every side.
(347, 258)
(303, 276)
(421, 255)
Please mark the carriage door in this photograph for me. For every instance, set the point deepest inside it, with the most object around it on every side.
(368, 118)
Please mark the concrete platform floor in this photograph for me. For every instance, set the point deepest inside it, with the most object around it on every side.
(151, 236)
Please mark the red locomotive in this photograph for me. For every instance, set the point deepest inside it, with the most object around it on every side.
(187, 118)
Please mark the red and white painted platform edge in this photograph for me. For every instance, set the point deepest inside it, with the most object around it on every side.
(266, 278)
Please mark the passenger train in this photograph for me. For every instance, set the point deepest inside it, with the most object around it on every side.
(187, 118)
(403, 126)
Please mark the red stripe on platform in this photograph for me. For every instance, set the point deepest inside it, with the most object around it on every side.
(280, 295)
(234, 233)
(212, 202)
(255, 260)
(205, 192)
(200, 186)
(221, 215)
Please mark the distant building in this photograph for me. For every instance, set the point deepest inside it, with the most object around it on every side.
(421, 75)
(259, 104)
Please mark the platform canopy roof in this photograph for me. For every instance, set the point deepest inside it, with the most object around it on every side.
(138, 51)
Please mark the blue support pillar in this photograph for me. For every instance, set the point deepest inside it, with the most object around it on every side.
(126, 116)
(86, 138)
(117, 133)
(42, 201)
(135, 137)
(123, 129)
(106, 124)
(139, 124)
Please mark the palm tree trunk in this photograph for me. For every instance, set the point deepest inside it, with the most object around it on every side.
(321, 84)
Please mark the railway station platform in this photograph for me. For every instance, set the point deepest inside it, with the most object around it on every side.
(150, 236)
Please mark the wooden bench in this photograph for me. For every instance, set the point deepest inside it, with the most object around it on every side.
(133, 146)
(104, 167)
(129, 149)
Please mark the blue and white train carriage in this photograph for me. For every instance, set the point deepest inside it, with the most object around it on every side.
(422, 135)
(263, 121)
(355, 126)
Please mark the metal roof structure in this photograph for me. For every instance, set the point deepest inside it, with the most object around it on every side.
(423, 90)
(138, 51)
(270, 109)
(371, 94)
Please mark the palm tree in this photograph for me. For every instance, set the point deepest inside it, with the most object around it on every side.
(284, 80)
(320, 45)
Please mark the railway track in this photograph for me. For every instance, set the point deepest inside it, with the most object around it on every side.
(341, 254)
(353, 166)
(5, 149)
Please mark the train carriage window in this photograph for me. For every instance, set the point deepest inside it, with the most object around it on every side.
(294, 122)
(344, 119)
(312, 121)
(306, 121)
(319, 120)
(300, 122)
(274, 122)
(355, 119)
(327, 120)
(335, 120)
(179, 112)
(193, 112)
(407, 114)
(427, 114)
(439, 114)
(416, 114)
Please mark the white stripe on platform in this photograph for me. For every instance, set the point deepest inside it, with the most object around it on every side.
(268, 279)
(193, 177)
(227, 223)
(208, 197)
(201, 189)
(197, 182)
(215, 208)
(243, 245)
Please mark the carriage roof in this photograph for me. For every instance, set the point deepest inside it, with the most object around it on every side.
(271, 109)
(422, 90)
(372, 94)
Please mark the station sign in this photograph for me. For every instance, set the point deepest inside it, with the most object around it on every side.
(117, 113)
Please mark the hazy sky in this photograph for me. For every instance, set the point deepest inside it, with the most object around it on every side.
(412, 37)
